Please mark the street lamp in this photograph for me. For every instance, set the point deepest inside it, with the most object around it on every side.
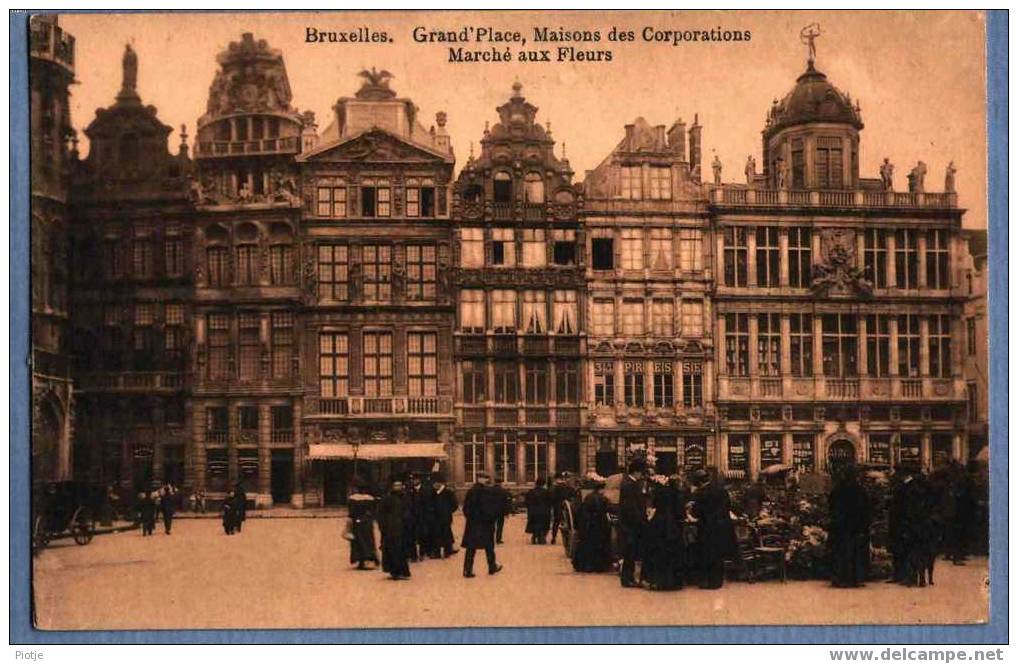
(356, 446)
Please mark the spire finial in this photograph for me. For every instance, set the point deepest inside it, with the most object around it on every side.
(517, 90)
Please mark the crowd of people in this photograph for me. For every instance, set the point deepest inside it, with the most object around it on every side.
(152, 504)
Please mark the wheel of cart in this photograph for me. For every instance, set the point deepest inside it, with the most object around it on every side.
(83, 526)
(569, 535)
(40, 537)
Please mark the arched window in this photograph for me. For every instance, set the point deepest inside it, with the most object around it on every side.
(281, 270)
(534, 188)
(503, 187)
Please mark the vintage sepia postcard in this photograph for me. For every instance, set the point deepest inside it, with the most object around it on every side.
(508, 319)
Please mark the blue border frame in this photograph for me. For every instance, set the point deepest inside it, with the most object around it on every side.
(22, 632)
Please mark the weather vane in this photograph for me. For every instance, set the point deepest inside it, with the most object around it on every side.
(808, 37)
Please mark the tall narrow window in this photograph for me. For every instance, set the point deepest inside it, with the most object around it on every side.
(828, 163)
(505, 459)
(632, 249)
(219, 345)
(377, 270)
(537, 382)
(768, 344)
(664, 385)
(144, 336)
(420, 272)
(604, 383)
(737, 344)
(474, 381)
(632, 183)
(535, 453)
(142, 267)
(663, 318)
(798, 164)
(420, 197)
(113, 265)
(472, 311)
(282, 344)
(735, 256)
(334, 364)
(660, 183)
(281, 264)
(534, 312)
(768, 256)
(473, 457)
(970, 335)
(377, 364)
(218, 266)
(249, 343)
(801, 343)
(906, 258)
(566, 382)
(173, 250)
(908, 346)
(875, 257)
(840, 338)
(472, 247)
(507, 382)
(603, 312)
(937, 260)
(422, 364)
(535, 252)
(333, 272)
(690, 250)
(503, 247)
(565, 312)
(692, 384)
(800, 257)
(878, 343)
(940, 346)
(602, 251)
(503, 187)
(692, 318)
(633, 385)
(661, 249)
(632, 318)
(173, 335)
(247, 264)
(503, 311)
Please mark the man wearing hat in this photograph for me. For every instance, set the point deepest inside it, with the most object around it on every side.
(481, 507)
(396, 526)
(632, 519)
(560, 493)
(443, 506)
(715, 532)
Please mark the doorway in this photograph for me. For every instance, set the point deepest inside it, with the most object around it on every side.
(282, 476)
(840, 453)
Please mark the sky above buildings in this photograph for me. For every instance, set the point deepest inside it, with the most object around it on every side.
(918, 76)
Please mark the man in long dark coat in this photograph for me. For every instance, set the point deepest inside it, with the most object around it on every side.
(419, 528)
(240, 498)
(147, 513)
(632, 520)
(664, 550)
(594, 532)
(715, 532)
(506, 500)
(396, 524)
(560, 493)
(851, 516)
(444, 505)
(895, 525)
(481, 507)
(538, 501)
(919, 534)
(167, 506)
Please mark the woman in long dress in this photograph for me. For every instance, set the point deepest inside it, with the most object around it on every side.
(594, 546)
(664, 559)
(362, 529)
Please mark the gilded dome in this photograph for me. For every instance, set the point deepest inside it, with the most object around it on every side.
(813, 99)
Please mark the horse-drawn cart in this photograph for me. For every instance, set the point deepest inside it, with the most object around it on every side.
(66, 509)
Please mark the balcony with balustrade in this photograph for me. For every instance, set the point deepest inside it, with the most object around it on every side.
(742, 197)
(511, 345)
(263, 146)
(512, 415)
(829, 388)
(361, 407)
(132, 382)
(48, 41)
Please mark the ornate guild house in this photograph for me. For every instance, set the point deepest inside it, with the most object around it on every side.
(289, 309)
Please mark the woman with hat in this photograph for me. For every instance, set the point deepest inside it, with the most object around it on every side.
(594, 545)
(715, 532)
(361, 506)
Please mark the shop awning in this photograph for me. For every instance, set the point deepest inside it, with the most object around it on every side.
(374, 452)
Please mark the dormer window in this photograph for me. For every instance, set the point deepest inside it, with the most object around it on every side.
(420, 197)
(829, 165)
(534, 188)
(376, 197)
(331, 199)
(660, 183)
(503, 188)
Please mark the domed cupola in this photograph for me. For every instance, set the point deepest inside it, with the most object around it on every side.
(811, 137)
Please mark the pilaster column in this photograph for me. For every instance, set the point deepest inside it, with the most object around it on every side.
(722, 461)
(926, 452)
(719, 344)
(552, 456)
(297, 497)
(921, 281)
(719, 257)
(264, 456)
(751, 256)
(892, 273)
(233, 421)
(924, 346)
(783, 257)
(786, 344)
(818, 345)
(820, 452)
(892, 343)
(620, 381)
(754, 455)
(787, 456)
(754, 356)
(863, 351)
(195, 416)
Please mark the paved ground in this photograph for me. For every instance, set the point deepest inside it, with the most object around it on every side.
(294, 573)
